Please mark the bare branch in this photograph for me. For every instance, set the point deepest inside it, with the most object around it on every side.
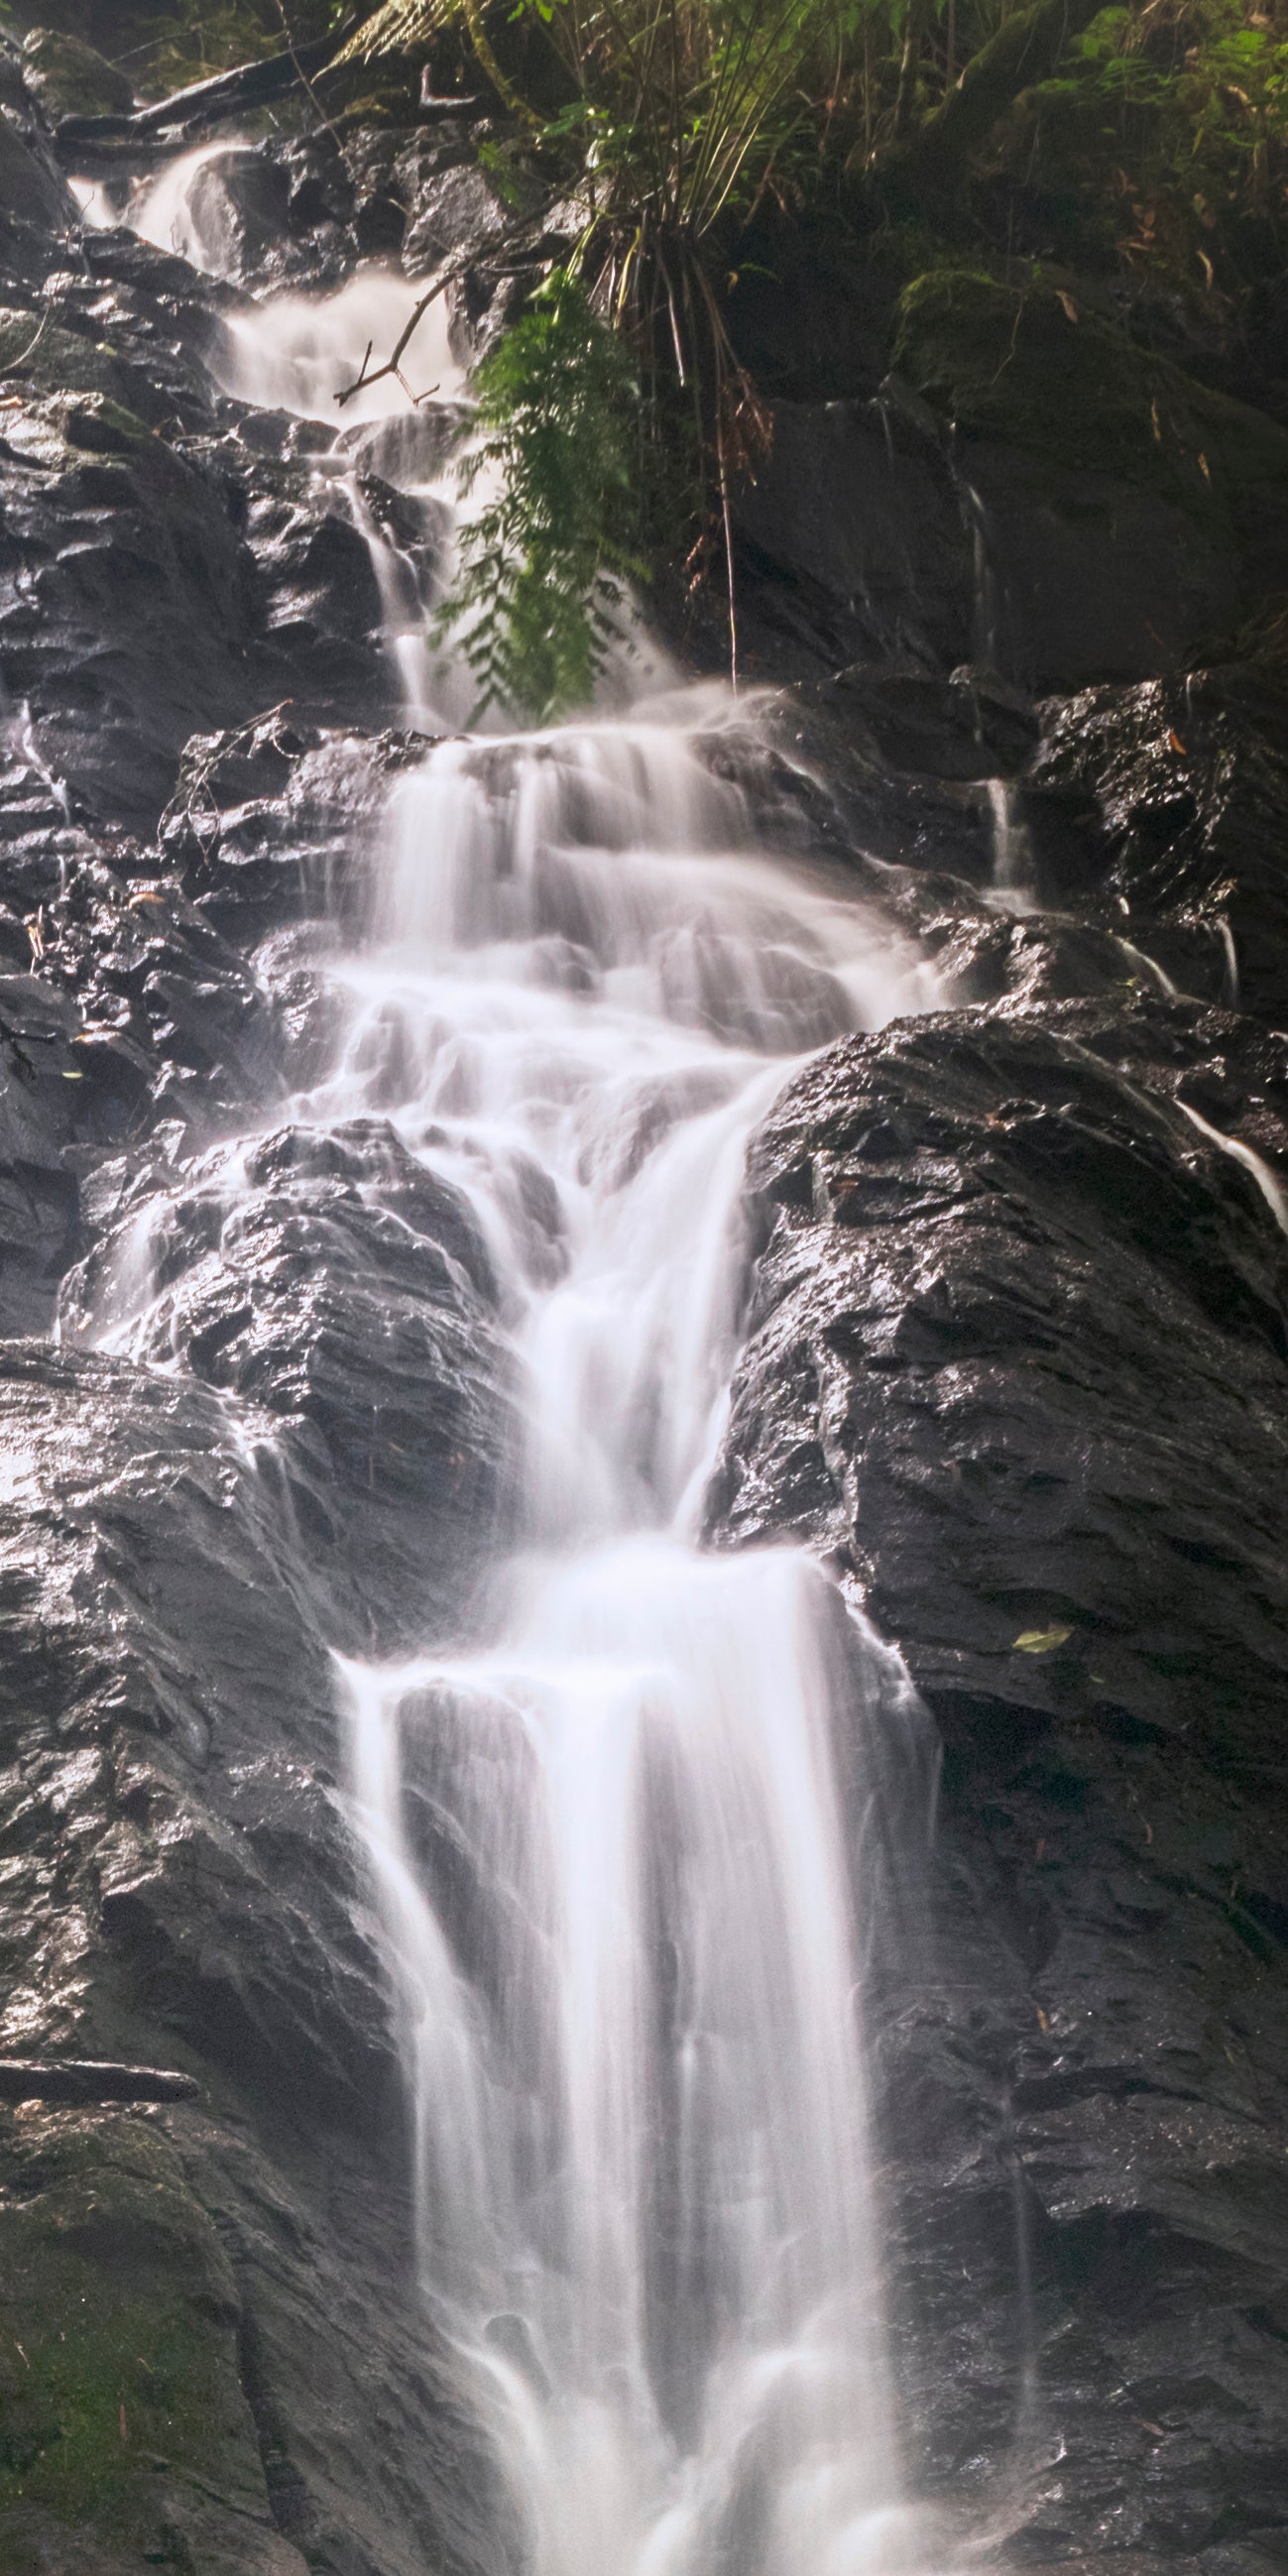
(393, 365)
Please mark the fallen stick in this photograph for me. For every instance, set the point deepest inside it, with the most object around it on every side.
(205, 102)
(77, 2080)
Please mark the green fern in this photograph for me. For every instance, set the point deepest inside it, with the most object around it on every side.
(543, 568)
(399, 27)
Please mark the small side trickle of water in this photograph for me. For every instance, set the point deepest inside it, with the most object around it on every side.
(1013, 867)
(1271, 1188)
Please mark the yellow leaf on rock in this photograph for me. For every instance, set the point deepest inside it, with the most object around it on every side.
(1040, 1641)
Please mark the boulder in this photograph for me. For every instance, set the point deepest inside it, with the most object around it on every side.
(1016, 1362)
(253, 2383)
(330, 1282)
(237, 209)
(457, 208)
(1028, 490)
(1017, 1313)
(70, 79)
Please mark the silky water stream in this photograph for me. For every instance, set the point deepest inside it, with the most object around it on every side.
(611, 1851)
(625, 1848)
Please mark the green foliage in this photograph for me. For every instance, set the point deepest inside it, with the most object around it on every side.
(544, 563)
(1160, 146)
(1171, 118)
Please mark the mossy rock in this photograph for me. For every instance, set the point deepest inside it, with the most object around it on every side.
(392, 104)
(121, 2406)
(70, 79)
(60, 362)
(1032, 368)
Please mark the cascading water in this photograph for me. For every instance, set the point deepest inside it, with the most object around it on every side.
(615, 1844)
(609, 1847)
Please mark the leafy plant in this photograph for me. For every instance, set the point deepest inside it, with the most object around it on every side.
(1175, 113)
(544, 564)
(677, 119)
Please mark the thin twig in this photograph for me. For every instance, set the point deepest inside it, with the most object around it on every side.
(393, 366)
(305, 83)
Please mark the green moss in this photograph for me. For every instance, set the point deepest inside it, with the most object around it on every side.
(71, 79)
(105, 427)
(58, 361)
(118, 2359)
(385, 106)
(1032, 366)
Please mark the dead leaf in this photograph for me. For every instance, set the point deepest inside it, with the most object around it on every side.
(1068, 303)
(1153, 413)
(1174, 743)
(1040, 1641)
(1043, 2023)
(1204, 467)
(145, 897)
(1209, 272)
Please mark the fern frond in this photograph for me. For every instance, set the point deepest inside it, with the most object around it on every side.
(544, 566)
(399, 27)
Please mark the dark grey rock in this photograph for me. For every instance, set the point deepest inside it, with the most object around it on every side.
(858, 534)
(1168, 804)
(181, 1875)
(457, 208)
(70, 79)
(328, 1281)
(1016, 1361)
(239, 205)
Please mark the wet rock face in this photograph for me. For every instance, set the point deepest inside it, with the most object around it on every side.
(125, 586)
(325, 1278)
(180, 1887)
(1018, 1343)
(1026, 488)
(1016, 1359)
(1168, 803)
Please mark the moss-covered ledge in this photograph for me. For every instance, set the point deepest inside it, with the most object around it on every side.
(1035, 369)
(126, 2438)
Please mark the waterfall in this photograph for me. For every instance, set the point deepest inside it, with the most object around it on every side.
(613, 1865)
(619, 1842)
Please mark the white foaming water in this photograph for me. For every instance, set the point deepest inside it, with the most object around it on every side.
(297, 352)
(162, 210)
(1012, 846)
(609, 1849)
